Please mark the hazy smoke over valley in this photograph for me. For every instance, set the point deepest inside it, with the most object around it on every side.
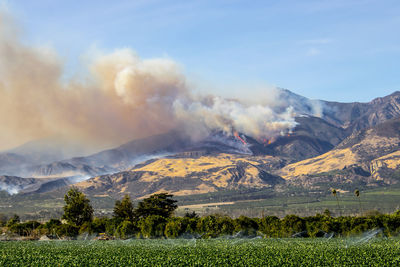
(121, 97)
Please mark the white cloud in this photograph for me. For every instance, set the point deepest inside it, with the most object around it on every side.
(318, 41)
(313, 51)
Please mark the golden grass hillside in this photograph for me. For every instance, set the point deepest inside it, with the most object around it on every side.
(184, 176)
(367, 153)
(222, 170)
(332, 160)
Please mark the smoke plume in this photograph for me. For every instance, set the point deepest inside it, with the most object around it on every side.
(9, 188)
(121, 97)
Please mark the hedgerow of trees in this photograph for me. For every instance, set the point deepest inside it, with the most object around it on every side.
(154, 218)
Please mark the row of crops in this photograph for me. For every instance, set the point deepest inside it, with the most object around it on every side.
(221, 252)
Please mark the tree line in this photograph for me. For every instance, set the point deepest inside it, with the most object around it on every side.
(154, 218)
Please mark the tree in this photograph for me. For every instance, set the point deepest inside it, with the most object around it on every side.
(292, 224)
(77, 209)
(357, 193)
(13, 220)
(126, 229)
(67, 230)
(26, 228)
(152, 226)
(157, 204)
(246, 226)
(174, 227)
(123, 210)
(327, 213)
(99, 224)
(334, 193)
(191, 215)
(51, 226)
(212, 226)
(270, 226)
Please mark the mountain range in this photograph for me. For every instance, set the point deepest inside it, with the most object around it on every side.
(333, 144)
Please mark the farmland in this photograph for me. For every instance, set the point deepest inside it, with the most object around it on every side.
(252, 203)
(361, 250)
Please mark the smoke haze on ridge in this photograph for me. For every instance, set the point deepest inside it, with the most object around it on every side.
(121, 97)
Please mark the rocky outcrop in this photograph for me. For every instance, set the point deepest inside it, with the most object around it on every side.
(373, 154)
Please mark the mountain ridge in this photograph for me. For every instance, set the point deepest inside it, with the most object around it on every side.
(358, 141)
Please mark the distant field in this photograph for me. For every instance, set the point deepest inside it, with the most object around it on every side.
(253, 203)
(360, 251)
(384, 200)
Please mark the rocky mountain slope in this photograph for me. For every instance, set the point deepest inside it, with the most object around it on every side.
(348, 143)
(312, 137)
(357, 116)
(108, 161)
(368, 157)
(372, 153)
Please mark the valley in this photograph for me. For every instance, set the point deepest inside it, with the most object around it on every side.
(349, 146)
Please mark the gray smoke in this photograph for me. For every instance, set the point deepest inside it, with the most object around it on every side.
(121, 97)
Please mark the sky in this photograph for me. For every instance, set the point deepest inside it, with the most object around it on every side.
(333, 50)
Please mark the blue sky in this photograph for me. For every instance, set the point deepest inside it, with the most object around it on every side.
(333, 50)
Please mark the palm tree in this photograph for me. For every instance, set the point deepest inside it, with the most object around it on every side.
(334, 193)
(357, 193)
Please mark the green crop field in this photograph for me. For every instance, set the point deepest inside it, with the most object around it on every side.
(361, 251)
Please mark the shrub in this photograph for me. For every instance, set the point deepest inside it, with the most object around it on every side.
(126, 229)
(152, 226)
(174, 228)
(67, 230)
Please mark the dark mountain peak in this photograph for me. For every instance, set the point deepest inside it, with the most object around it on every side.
(393, 96)
(357, 116)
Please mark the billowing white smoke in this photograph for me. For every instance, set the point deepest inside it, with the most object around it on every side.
(231, 115)
(10, 188)
(122, 97)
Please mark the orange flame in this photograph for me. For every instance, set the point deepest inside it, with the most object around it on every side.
(240, 138)
(268, 141)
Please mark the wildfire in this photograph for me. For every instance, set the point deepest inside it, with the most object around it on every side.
(236, 134)
(267, 142)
